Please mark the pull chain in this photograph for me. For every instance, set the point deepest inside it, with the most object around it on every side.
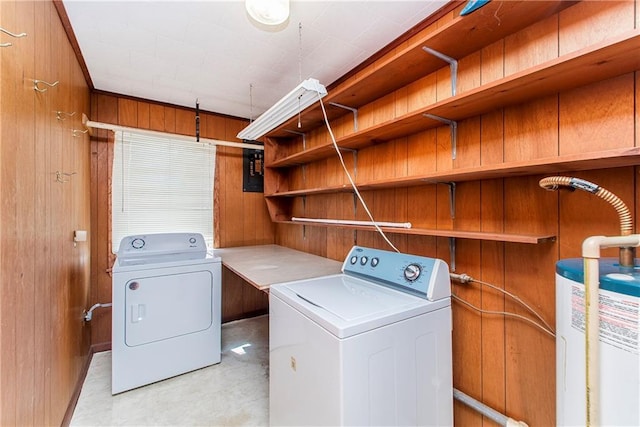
(300, 50)
(299, 70)
(250, 102)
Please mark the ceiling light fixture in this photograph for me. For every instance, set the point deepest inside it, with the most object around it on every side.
(268, 12)
(304, 95)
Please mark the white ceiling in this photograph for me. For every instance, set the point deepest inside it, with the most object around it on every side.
(179, 51)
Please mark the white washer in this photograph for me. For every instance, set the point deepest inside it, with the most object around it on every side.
(166, 308)
(370, 346)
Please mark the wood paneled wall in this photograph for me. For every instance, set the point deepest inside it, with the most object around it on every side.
(240, 219)
(44, 277)
(499, 360)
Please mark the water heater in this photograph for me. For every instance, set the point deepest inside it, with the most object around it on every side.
(619, 358)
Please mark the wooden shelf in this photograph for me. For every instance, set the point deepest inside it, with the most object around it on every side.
(462, 36)
(459, 38)
(474, 235)
(598, 62)
(583, 161)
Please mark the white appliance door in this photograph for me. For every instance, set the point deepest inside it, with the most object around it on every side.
(164, 307)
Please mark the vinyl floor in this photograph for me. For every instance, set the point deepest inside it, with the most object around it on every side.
(234, 392)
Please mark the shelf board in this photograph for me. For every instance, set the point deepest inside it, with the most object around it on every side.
(459, 38)
(474, 235)
(611, 58)
(614, 158)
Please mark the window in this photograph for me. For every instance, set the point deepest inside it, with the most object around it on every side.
(160, 185)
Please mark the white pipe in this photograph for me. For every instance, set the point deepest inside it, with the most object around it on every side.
(88, 315)
(487, 411)
(350, 222)
(114, 128)
(591, 254)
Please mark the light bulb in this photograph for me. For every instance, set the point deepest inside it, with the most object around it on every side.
(268, 12)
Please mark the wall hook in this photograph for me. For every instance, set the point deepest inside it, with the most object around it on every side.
(62, 115)
(12, 35)
(60, 176)
(37, 82)
(77, 132)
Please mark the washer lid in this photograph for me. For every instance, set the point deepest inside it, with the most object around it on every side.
(345, 305)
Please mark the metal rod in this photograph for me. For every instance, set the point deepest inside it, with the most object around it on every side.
(114, 128)
(485, 410)
(352, 222)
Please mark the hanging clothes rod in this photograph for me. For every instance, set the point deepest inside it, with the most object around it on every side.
(89, 124)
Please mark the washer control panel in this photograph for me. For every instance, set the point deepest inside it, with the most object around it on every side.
(148, 248)
(421, 276)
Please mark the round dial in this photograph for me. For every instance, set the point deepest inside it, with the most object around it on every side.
(412, 272)
(364, 260)
(354, 259)
(137, 243)
(192, 240)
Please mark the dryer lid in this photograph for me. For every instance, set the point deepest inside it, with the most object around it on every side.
(350, 299)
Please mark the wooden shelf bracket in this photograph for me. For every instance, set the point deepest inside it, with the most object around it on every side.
(453, 125)
(353, 110)
(453, 64)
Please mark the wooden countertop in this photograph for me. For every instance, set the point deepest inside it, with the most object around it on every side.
(266, 265)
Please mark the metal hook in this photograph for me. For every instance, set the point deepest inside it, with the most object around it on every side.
(37, 82)
(12, 35)
(77, 132)
(60, 176)
(60, 115)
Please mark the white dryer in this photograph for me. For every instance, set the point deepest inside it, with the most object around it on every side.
(371, 346)
(166, 308)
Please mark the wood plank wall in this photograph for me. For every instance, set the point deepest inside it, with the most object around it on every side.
(44, 277)
(241, 219)
(501, 361)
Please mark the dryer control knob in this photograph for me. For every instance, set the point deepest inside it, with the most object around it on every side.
(412, 272)
(137, 243)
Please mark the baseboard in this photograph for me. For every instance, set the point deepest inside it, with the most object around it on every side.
(97, 348)
(245, 315)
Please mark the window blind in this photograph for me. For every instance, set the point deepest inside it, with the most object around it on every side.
(161, 185)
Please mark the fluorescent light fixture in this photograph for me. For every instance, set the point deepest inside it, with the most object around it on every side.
(268, 12)
(304, 95)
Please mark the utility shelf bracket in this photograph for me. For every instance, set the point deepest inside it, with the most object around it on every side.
(304, 209)
(453, 64)
(302, 134)
(454, 131)
(353, 110)
(452, 198)
(452, 195)
(355, 159)
(452, 253)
